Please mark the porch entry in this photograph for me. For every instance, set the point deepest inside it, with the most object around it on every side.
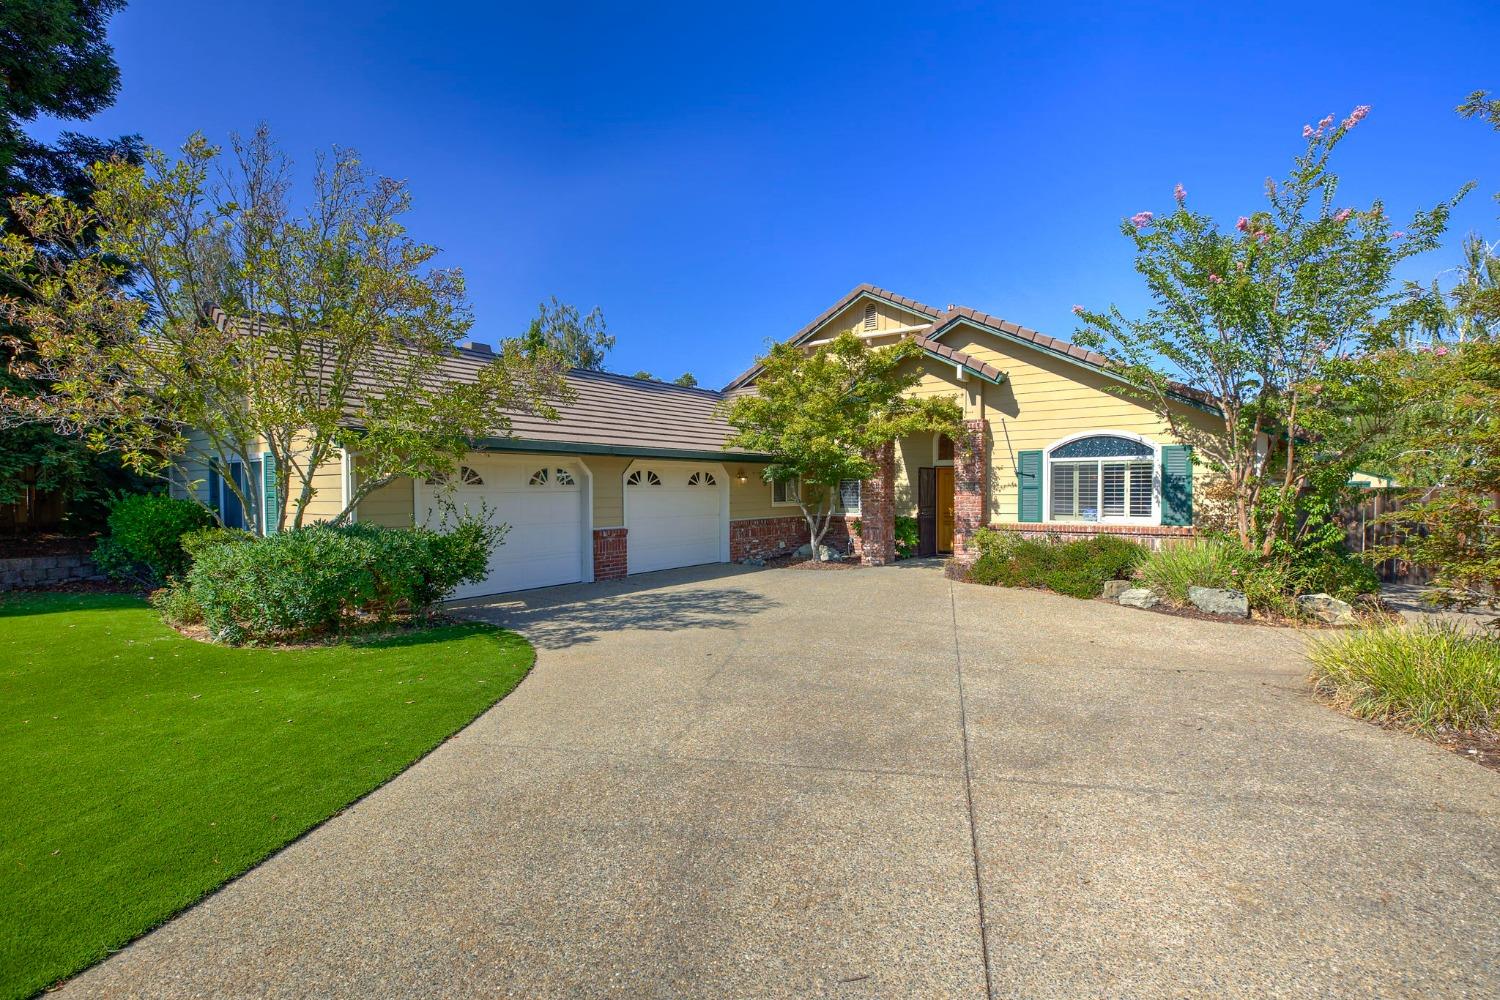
(934, 510)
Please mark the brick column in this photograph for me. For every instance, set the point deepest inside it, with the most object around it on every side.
(970, 486)
(609, 554)
(877, 509)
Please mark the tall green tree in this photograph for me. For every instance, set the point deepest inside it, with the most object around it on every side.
(1445, 445)
(1261, 320)
(253, 327)
(821, 414)
(562, 329)
(55, 60)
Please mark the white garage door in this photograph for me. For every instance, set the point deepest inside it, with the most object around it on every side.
(541, 500)
(672, 515)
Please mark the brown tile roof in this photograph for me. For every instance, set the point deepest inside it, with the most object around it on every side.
(956, 313)
(982, 368)
(620, 412)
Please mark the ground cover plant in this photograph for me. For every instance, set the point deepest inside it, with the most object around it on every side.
(145, 769)
(1426, 678)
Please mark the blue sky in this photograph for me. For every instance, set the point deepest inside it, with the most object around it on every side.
(715, 176)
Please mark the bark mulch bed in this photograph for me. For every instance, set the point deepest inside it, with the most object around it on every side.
(1483, 748)
(807, 562)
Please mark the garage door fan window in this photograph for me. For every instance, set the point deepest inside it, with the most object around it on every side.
(466, 477)
(643, 477)
(702, 479)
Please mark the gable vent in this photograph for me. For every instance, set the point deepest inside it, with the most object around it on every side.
(870, 316)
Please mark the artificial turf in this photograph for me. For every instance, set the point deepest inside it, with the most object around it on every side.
(141, 769)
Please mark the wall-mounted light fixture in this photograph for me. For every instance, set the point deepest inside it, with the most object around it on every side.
(740, 475)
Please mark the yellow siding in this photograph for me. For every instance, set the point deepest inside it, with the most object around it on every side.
(1044, 398)
(390, 506)
(609, 489)
(888, 317)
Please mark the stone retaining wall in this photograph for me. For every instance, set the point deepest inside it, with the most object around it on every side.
(46, 571)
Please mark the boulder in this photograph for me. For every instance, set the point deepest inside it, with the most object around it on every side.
(1326, 608)
(825, 552)
(1139, 597)
(1114, 588)
(1230, 603)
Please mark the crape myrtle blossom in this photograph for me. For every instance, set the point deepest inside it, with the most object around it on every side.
(1214, 279)
(1243, 224)
(1078, 310)
(1180, 193)
(1142, 219)
(1343, 215)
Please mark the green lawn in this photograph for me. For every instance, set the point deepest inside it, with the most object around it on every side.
(142, 769)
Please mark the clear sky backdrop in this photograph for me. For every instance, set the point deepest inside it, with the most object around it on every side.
(716, 175)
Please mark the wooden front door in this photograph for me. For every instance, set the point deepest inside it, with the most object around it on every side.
(945, 508)
(927, 511)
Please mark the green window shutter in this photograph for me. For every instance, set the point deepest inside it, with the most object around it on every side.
(268, 478)
(1176, 484)
(1029, 486)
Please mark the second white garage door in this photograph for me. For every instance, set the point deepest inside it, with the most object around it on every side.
(674, 515)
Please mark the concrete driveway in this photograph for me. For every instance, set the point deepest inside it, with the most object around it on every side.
(875, 783)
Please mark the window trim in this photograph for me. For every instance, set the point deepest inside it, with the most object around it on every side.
(1151, 520)
(796, 484)
(859, 489)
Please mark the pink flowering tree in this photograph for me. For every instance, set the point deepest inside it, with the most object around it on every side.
(1265, 323)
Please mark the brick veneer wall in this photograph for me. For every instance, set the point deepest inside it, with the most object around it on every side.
(609, 553)
(970, 462)
(46, 571)
(763, 537)
(878, 509)
(841, 535)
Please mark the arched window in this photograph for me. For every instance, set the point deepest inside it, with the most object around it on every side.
(1102, 477)
(643, 477)
(466, 477)
(563, 477)
(702, 479)
(538, 478)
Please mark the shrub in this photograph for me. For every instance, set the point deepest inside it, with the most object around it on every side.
(145, 537)
(197, 540)
(176, 604)
(1172, 569)
(906, 537)
(1339, 574)
(1418, 677)
(305, 582)
(1078, 569)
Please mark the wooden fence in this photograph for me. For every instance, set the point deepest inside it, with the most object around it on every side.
(1365, 532)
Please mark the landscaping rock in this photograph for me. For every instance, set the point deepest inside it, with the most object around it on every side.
(1114, 588)
(825, 552)
(1139, 597)
(1326, 608)
(1230, 603)
(752, 561)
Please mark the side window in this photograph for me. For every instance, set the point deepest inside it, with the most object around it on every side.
(784, 491)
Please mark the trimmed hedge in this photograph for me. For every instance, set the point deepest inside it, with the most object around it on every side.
(1077, 569)
(145, 537)
(307, 582)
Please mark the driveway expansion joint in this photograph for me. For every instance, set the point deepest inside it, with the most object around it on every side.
(963, 723)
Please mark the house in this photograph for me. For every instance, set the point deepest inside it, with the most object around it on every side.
(636, 475)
